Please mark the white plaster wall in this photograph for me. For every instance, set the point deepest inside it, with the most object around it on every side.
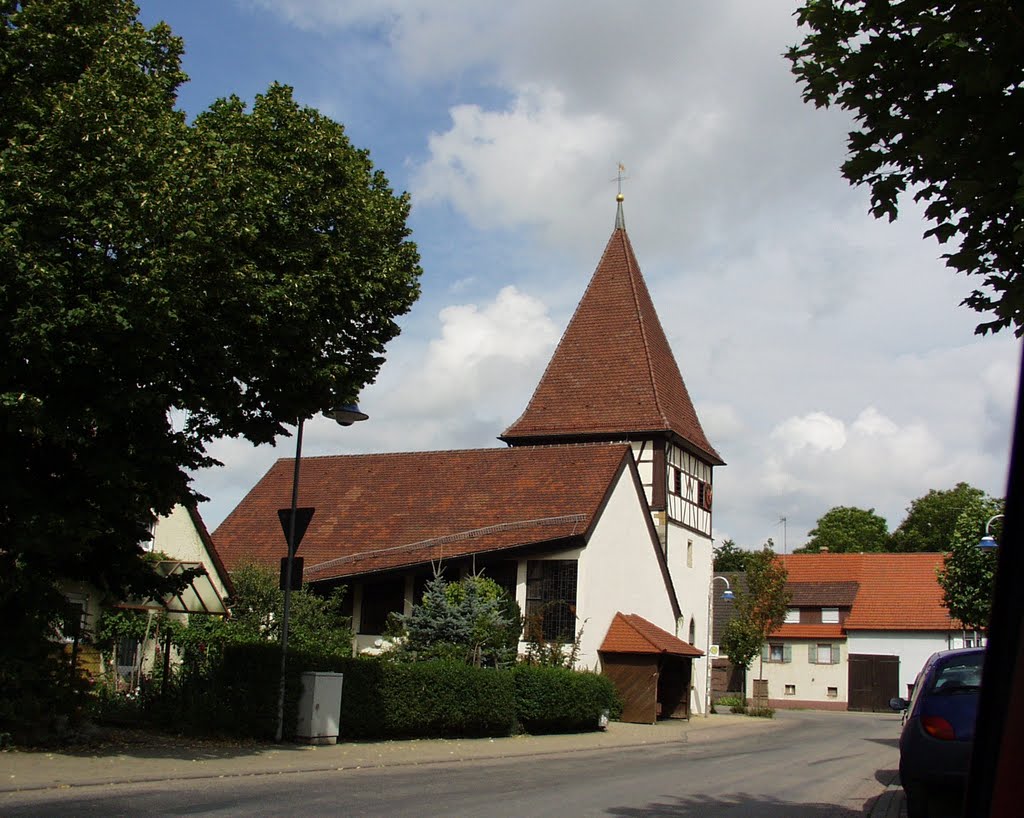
(692, 584)
(618, 571)
(176, 536)
(811, 680)
(913, 648)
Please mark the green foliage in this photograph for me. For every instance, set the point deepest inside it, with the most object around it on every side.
(760, 608)
(937, 91)
(967, 575)
(40, 687)
(761, 712)
(559, 700)
(549, 653)
(932, 519)
(848, 529)
(316, 624)
(472, 620)
(245, 269)
(730, 557)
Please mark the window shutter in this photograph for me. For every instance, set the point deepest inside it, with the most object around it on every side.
(765, 656)
(787, 653)
(812, 654)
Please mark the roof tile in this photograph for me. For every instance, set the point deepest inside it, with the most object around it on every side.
(613, 371)
(630, 633)
(381, 511)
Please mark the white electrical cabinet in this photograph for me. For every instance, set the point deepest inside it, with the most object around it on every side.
(319, 708)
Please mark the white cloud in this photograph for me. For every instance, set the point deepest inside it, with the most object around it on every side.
(816, 432)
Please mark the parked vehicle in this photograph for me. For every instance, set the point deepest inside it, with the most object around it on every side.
(938, 732)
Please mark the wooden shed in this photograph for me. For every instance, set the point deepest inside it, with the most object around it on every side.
(651, 669)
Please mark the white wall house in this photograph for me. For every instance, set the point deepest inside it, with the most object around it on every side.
(860, 628)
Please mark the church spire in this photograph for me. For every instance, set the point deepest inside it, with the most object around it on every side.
(613, 375)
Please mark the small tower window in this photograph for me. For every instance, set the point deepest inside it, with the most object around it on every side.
(677, 481)
(689, 553)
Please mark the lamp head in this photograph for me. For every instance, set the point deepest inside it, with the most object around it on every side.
(988, 543)
(728, 595)
(346, 415)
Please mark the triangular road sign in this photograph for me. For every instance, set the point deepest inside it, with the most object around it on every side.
(302, 518)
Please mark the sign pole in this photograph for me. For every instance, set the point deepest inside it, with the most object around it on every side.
(279, 733)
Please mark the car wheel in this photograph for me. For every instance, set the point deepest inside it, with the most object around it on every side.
(917, 801)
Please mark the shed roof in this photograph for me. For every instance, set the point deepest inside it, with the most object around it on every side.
(630, 633)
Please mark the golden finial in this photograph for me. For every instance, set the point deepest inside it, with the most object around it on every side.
(620, 178)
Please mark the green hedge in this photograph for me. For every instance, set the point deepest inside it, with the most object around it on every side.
(382, 699)
(559, 700)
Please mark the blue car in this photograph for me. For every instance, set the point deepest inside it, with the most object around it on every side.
(938, 732)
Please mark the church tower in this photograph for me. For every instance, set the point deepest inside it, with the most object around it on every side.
(613, 378)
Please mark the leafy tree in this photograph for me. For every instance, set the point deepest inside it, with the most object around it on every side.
(730, 557)
(315, 623)
(844, 529)
(472, 620)
(760, 608)
(932, 518)
(937, 89)
(967, 575)
(236, 274)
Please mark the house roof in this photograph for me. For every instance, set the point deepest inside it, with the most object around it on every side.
(384, 511)
(630, 633)
(797, 631)
(822, 594)
(613, 372)
(898, 592)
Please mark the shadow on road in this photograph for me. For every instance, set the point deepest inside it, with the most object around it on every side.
(888, 742)
(738, 804)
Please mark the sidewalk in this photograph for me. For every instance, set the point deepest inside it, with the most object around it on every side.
(162, 758)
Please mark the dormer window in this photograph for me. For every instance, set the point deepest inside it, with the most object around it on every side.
(792, 616)
(829, 616)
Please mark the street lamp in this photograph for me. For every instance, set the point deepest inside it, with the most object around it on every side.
(344, 416)
(727, 596)
(988, 542)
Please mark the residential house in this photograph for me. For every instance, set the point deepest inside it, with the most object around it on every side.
(859, 628)
(179, 541)
(600, 505)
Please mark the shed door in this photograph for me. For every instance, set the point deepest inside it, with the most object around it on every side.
(873, 680)
(636, 678)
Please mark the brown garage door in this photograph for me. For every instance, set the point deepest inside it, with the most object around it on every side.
(873, 680)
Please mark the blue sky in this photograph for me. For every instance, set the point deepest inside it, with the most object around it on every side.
(826, 353)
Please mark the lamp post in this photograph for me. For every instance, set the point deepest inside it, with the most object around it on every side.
(343, 416)
(727, 596)
(988, 542)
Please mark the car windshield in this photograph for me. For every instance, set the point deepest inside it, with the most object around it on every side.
(962, 674)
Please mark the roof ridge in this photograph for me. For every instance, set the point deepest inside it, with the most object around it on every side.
(631, 267)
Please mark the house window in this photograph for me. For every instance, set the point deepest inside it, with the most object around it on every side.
(829, 616)
(379, 600)
(551, 600)
(777, 652)
(792, 616)
(677, 481)
(790, 690)
(823, 654)
(833, 693)
(689, 553)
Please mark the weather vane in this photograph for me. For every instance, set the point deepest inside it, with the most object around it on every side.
(620, 179)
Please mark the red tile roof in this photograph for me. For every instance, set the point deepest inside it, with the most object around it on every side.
(797, 631)
(382, 511)
(613, 372)
(630, 633)
(895, 591)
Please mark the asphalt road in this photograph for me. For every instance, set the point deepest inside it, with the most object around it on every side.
(816, 765)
